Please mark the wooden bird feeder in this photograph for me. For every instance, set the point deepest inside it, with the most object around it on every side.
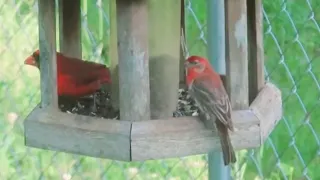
(148, 38)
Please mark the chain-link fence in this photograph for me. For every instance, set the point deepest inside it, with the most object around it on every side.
(292, 57)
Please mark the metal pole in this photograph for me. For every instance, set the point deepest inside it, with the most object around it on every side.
(216, 56)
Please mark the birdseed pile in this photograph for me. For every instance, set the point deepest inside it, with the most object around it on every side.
(101, 106)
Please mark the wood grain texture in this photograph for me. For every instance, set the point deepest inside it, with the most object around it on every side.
(132, 34)
(185, 136)
(47, 43)
(237, 53)
(70, 28)
(164, 53)
(90, 136)
(267, 106)
(255, 48)
(177, 137)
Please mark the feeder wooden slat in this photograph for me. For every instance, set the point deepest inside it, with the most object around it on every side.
(267, 106)
(47, 42)
(237, 53)
(91, 136)
(132, 35)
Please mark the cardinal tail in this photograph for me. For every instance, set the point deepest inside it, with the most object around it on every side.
(227, 149)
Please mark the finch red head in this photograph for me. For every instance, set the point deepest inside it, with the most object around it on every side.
(206, 88)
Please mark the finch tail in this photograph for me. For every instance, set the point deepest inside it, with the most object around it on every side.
(227, 149)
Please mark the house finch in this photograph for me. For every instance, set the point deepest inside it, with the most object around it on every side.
(206, 88)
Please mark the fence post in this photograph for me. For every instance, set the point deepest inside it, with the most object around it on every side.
(216, 56)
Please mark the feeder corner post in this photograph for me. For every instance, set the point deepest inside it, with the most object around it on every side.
(48, 67)
(70, 28)
(237, 53)
(47, 43)
(164, 53)
(132, 34)
(255, 48)
(256, 71)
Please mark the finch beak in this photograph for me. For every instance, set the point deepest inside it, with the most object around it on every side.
(187, 64)
(30, 61)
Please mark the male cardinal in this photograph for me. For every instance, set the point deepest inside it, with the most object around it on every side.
(206, 88)
(76, 78)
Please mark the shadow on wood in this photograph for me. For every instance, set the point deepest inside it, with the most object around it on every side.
(164, 95)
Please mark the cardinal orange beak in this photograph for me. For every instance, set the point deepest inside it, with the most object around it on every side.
(30, 61)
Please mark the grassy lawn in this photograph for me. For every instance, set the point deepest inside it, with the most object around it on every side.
(292, 54)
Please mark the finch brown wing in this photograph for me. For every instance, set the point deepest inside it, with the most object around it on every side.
(212, 99)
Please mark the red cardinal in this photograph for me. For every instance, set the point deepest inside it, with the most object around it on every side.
(206, 88)
(76, 78)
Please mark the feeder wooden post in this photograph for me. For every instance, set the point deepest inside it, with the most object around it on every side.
(132, 33)
(255, 49)
(113, 52)
(164, 44)
(237, 53)
(47, 42)
(182, 58)
(256, 58)
(70, 28)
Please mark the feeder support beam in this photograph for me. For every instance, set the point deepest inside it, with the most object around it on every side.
(47, 42)
(132, 33)
(237, 53)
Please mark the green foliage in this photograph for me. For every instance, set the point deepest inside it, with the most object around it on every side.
(291, 42)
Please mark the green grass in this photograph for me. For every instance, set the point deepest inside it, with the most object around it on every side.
(19, 93)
